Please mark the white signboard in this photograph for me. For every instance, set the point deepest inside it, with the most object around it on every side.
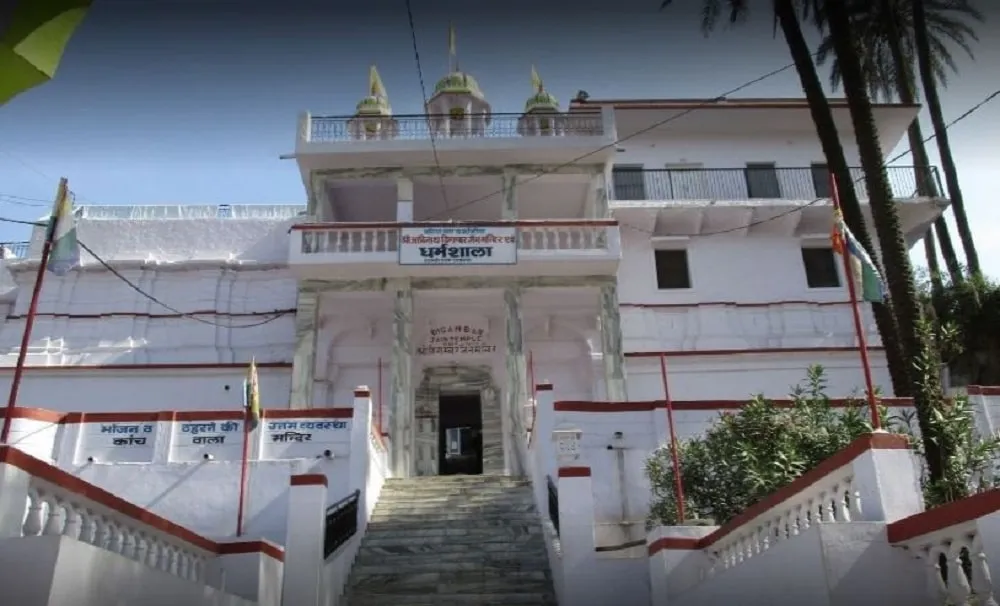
(459, 245)
(457, 339)
(118, 442)
(223, 439)
(295, 438)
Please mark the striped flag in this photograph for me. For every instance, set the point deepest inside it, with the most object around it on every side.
(251, 397)
(65, 253)
(865, 272)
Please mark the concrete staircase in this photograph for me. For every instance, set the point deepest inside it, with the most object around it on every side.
(452, 540)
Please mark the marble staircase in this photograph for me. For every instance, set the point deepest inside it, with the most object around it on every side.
(452, 540)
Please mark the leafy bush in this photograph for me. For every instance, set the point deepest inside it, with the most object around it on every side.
(749, 454)
(753, 452)
(968, 460)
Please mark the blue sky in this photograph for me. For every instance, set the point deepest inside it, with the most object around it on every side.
(192, 101)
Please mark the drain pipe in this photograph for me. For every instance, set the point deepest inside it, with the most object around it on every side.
(618, 446)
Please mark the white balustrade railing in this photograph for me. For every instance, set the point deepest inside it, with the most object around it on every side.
(541, 237)
(54, 510)
(958, 572)
(831, 499)
(350, 241)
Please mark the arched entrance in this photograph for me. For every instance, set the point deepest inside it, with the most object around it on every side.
(458, 426)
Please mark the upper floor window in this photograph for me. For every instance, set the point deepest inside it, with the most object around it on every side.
(762, 180)
(672, 271)
(821, 267)
(629, 182)
(821, 179)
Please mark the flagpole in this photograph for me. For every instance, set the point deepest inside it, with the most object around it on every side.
(678, 482)
(249, 391)
(243, 471)
(856, 311)
(29, 321)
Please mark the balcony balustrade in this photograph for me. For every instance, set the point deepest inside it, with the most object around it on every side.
(333, 129)
(531, 247)
(14, 250)
(754, 183)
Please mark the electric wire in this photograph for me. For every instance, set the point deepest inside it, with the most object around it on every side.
(108, 267)
(885, 164)
(423, 94)
(280, 314)
(619, 140)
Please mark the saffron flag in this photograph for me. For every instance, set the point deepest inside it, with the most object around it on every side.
(251, 397)
(865, 273)
(65, 252)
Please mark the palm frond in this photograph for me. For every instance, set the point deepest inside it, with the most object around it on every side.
(881, 24)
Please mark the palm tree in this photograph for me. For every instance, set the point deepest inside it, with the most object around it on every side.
(926, 15)
(895, 257)
(884, 29)
(786, 17)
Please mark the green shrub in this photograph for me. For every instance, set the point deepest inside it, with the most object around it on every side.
(750, 453)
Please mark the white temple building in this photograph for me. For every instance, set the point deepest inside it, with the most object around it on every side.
(576, 248)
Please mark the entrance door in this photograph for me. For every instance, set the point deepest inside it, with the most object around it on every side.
(460, 440)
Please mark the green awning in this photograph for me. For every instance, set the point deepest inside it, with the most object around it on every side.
(33, 36)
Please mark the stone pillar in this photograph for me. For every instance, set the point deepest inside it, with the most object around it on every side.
(515, 389)
(401, 389)
(304, 358)
(404, 200)
(303, 582)
(602, 183)
(611, 344)
(320, 208)
(509, 196)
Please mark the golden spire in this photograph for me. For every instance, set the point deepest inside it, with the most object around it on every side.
(452, 49)
(375, 86)
(536, 80)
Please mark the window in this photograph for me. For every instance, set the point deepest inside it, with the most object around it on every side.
(821, 267)
(629, 182)
(672, 269)
(762, 180)
(821, 179)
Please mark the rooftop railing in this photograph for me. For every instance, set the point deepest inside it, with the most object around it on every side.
(753, 183)
(143, 212)
(331, 129)
(14, 250)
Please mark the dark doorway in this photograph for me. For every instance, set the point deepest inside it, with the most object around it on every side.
(460, 435)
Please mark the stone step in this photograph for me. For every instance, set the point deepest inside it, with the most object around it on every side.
(390, 539)
(459, 512)
(512, 557)
(410, 565)
(419, 547)
(459, 479)
(425, 485)
(446, 499)
(452, 518)
(414, 523)
(452, 492)
(450, 583)
(467, 599)
(508, 531)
